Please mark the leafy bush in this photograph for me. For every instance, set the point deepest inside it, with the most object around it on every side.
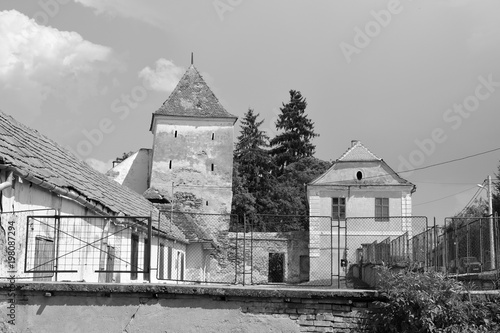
(430, 302)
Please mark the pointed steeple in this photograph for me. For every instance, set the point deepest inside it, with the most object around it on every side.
(193, 98)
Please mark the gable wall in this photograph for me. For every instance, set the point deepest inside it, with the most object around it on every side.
(133, 172)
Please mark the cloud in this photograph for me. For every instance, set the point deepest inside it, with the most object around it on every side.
(151, 12)
(38, 61)
(98, 165)
(164, 77)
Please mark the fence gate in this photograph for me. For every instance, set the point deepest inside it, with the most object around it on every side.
(88, 248)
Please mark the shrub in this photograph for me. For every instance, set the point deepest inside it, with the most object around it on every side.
(430, 302)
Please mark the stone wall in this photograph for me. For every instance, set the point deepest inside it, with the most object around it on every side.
(190, 308)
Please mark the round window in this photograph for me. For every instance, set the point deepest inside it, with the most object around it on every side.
(359, 175)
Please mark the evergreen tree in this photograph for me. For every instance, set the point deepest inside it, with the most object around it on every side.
(294, 142)
(290, 191)
(253, 166)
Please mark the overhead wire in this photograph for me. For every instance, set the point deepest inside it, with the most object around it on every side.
(471, 200)
(451, 195)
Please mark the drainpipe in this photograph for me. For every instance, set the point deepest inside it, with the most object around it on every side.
(8, 182)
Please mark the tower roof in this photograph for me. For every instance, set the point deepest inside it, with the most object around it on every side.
(193, 98)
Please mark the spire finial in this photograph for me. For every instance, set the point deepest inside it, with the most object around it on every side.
(192, 56)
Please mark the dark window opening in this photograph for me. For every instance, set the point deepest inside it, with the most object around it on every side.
(359, 175)
(169, 262)
(338, 208)
(212, 167)
(213, 136)
(382, 209)
(110, 263)
(207, 203)
(175, 134)
(170, 164)
(134, 257)
(146, 259)
(161, 269)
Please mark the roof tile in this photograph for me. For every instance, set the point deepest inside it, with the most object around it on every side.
(193, 98)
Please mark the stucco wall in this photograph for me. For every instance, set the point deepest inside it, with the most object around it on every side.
(133, 172)
(196, 155)
(159, 308)
(27, 199)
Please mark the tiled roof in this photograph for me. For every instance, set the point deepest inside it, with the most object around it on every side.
(192, 225)
(43, 162)
(358, 152)
(193, 98)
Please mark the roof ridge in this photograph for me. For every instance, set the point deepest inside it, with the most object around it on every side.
(368, 156)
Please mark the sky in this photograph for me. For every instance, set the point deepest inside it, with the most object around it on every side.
(417, 82)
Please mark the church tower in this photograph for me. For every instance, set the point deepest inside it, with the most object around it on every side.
(192, 156)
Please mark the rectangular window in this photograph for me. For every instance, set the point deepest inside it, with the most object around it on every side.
(134, 258)
(182, 267)
(381, 209)
(338, 208)
(146, 259)
(161, 269)
(169, 263)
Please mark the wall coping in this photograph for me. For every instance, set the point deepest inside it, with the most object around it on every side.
(271, 291)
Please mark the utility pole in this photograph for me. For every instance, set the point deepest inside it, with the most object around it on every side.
(490, 214)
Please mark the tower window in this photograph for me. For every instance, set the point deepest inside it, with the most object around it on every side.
(175, 134)
(213, 136)
(206, 203)
(213, 167)
(170, 164)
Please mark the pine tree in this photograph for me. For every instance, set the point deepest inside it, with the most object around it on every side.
(294, 142)
(253, 166)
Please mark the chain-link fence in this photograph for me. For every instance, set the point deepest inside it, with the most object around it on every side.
(87, 248)
(214, 252)
(369, 241)
(280, 252)
(469, 245)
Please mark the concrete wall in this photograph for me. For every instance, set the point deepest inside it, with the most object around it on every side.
(196, 155)
(160, 308)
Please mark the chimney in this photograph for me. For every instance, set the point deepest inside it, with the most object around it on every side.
(354, 142)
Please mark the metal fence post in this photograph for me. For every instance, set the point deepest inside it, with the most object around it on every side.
(244, 248)
(338, 250)
(150, 245)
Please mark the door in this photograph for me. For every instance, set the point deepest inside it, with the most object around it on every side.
(276, 267)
